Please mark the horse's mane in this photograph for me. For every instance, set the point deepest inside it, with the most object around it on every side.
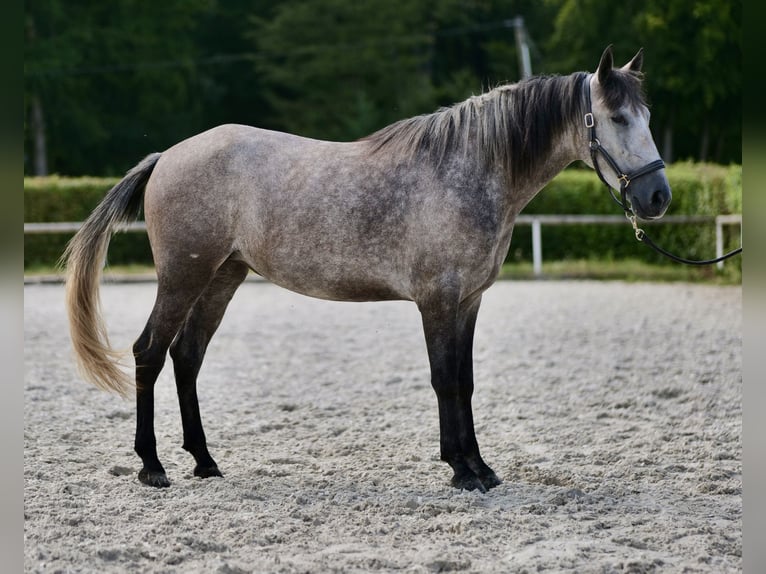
(513, 125)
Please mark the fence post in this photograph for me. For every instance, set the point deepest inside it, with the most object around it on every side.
(719, 240)
(537, 248)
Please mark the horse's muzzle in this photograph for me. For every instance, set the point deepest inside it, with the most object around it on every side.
(651, 197)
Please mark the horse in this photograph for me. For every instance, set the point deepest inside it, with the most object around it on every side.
(421, 210)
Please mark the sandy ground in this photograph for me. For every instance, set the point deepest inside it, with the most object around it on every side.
(612, 411)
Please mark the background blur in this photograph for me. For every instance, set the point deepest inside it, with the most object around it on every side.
(105, 83)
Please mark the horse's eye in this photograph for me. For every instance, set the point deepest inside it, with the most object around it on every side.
(620, 120)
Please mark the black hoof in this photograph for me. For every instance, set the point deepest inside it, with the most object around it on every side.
(155, 478)
(206, 471)
(468, 481)
(490, 480)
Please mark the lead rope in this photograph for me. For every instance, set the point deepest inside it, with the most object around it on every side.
(595, 148)
(644, 238)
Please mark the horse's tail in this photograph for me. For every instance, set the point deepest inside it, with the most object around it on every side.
(84, 259)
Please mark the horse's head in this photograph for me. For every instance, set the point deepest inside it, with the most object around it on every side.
(621, 146)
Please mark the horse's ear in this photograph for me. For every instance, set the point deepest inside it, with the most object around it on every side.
(605, 65)
(635, 64)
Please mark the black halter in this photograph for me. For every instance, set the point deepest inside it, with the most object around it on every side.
(596, 148)
(625, 178)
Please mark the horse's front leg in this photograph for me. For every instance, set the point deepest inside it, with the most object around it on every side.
(466, 326)
(449, 328)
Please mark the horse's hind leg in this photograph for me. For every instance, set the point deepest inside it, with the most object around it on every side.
(449, 327)
(188, 351)
(176, 293)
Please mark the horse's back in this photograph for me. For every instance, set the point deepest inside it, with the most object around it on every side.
(226, 154)
(305, 213)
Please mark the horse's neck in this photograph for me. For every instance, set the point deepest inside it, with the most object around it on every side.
(524, 182)
(562, 153)
(559, 158)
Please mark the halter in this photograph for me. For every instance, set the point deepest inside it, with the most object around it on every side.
(625, 178)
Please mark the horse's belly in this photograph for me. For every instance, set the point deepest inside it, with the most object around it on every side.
(333, 281)
(346, 291)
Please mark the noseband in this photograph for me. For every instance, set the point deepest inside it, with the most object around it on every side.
(596, 148)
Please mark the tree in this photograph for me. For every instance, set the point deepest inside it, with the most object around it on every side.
(340, 69)
(106, 83)
(696, 74)
(231, 90)
(113, 81)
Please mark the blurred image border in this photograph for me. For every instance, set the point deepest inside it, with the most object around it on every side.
(754, 297)
(12, 291)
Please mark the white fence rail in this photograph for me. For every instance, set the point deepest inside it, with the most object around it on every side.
(536, 221)
(73, 227)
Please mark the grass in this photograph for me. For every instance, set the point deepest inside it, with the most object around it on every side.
(626, 270)
(623, 270)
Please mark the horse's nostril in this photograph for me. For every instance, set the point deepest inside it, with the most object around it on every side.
(659, 198)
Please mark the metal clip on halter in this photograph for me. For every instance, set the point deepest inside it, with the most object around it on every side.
(636, 229)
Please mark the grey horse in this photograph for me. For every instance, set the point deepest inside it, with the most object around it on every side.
(422, 210)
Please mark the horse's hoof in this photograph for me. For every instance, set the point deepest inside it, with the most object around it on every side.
(207, 471)
(468, 481)
(490, 480)
(157, 479)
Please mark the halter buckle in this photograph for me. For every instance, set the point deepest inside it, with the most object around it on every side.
(589, 120)
(624, 179)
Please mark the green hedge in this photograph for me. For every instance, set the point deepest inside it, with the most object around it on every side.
(57, 198)
(698, 189)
